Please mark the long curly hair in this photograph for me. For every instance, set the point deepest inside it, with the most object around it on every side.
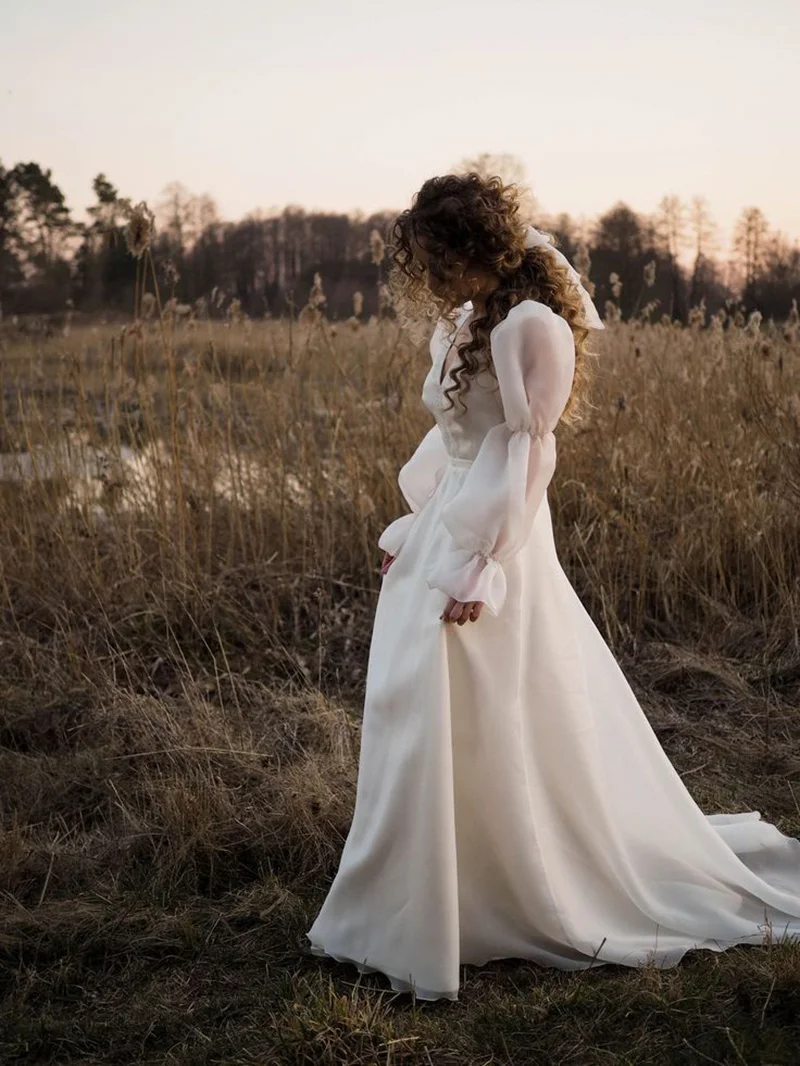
(468, 219)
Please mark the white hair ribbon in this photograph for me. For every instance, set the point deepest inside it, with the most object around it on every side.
(534, 238)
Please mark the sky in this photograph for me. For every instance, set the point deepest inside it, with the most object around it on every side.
(346, 106)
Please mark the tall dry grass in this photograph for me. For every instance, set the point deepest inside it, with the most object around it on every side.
(188, 571)
(240, 464)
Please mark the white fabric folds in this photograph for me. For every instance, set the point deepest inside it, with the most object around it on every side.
(490, 518)
(535, 238)
(513, 800)
(417, 479)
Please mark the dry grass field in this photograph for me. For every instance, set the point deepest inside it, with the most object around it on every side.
(188, 572)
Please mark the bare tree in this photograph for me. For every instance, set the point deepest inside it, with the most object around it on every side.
(703, 233)
(671, 224)
(670, 229)
(749, 244)
(703, 228)
(510, 168)
(174, 216)
(205, 212)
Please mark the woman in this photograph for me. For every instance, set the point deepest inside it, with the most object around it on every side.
(513, 799)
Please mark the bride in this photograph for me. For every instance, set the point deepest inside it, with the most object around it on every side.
(513, 799)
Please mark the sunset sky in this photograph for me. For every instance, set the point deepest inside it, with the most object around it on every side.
(341, 106)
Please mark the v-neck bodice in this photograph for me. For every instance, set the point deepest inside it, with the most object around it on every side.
(462, 430)
(450, 346)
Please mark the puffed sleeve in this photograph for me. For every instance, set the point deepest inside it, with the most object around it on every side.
(490, 517)
(417, 479)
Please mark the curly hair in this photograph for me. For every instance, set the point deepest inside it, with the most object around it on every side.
(470, 219)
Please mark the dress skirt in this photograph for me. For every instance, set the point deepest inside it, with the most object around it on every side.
(513, 800)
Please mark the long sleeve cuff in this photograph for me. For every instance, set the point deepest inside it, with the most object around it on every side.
(490, 518)
(468, 576)
(394, 535)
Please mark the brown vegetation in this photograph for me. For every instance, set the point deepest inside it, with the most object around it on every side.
(188, 572)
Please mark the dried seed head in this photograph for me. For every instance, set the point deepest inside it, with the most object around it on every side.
(170, 272)
(385, 299)
(317, 297)
(148, 305)
(650, 274)
(377, 247)
(582, 262)
(358, 303)
(366, 505)
(697, 315)
(141, 227)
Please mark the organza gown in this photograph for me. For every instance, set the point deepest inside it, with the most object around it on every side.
(513, 799)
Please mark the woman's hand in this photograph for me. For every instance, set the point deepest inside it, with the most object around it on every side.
(455, 611)
(459, 612)
(387, 562)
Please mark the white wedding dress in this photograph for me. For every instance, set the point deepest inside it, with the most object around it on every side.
(513, 799)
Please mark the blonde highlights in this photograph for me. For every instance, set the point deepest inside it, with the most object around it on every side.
(461, 220)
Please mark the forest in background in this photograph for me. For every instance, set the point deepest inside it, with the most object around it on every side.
(49, 261)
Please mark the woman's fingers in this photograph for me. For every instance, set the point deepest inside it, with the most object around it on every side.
(387, 562)
(453, 610)
(459, 612)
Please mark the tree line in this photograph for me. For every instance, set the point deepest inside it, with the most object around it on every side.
(49, 261)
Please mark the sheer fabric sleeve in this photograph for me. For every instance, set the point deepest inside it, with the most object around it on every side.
(417, 479)
(491, 516)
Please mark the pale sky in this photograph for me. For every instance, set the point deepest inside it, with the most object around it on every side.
(339, 106)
